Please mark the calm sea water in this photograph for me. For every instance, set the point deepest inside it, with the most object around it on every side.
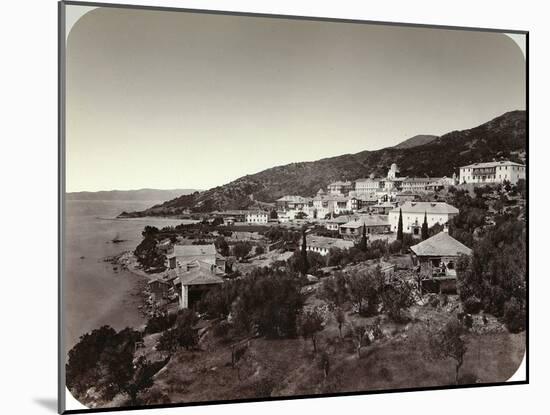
(96, 294)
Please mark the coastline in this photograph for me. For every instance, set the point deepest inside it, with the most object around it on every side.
(128, 262)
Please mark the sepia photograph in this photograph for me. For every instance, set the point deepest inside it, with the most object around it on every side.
(258, 207)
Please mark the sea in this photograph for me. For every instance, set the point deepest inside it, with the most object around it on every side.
(96, 292)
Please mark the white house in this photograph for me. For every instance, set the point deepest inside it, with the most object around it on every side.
(372, 223)
(335, 223)
(492, 172)
(257, 217)
(181, 255)
(413, 215)
(323, 244)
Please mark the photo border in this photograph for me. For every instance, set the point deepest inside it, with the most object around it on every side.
(62, 193)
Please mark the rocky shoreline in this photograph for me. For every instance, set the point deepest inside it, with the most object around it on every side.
(127, 261)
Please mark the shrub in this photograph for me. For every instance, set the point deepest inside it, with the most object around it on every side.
(221, 329)
(159, 323)
(514, 316)
(472, 305)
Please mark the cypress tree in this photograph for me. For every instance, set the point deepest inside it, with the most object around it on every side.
(400, 226)
(425, 227)
(305, 263)
(363, 244)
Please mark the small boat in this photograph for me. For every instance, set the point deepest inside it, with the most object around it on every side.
(117, 240)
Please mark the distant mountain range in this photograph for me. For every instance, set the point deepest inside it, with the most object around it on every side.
(501, 138)
(140, 194)
(417, 140)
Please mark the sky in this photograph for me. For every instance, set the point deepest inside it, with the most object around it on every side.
(166, 100)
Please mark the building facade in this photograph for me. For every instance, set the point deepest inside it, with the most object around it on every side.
(339, 188)
(492, 172)
(374, 224)
(257, 217)
(413, 215)
(322, 244)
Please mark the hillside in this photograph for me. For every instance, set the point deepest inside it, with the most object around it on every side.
(502, 137)
(140, 194)
(417, 140)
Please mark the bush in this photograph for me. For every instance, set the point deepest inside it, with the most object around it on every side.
(472, 305)
(221, 329)
(183, 335)
(159, 323)
(514, 316)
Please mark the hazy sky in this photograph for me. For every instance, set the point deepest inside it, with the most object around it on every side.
(180, 100)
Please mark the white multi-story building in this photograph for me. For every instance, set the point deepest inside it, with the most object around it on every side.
(257, 217)
(413, 215)
(492, 172)
(292, 202)
(339, 188)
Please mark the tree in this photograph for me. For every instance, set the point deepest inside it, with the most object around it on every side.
(182, 335)
(305, 262)
(300, 215)
(187, 334)
(241, 250)
(522, 188)
(149, 231)
(363, 243)
(449, 343)
(273, 214)
(103, 359)
(496, 271)
(259, 250)
(400, 226)
(311, 322)
(360, 336)
(147, 255)
(334, 289)
(424, 230)
(222, 246)
(340, 317)
(395, 298)
(142, 379)
(366, 286)
(168, 341)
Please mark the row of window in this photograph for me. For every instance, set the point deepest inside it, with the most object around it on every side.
(514, 168)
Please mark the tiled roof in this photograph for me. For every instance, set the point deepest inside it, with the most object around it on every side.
(294, 199)
(201, 273)
(327, 243)
(370, 179)
(366, 198)
(428, 207)
(422, 179)
(340, 183)
(368, 220)
(442, 245)
(190, 253)
(384, 205)
(340, 219)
